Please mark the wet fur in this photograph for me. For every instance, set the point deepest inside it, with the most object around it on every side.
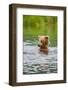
(43, 44)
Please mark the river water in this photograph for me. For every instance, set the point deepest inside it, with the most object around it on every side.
(36, 62)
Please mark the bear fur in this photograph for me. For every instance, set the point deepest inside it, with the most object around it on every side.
(43, 44)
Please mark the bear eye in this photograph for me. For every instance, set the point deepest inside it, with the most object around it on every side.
(41, 41)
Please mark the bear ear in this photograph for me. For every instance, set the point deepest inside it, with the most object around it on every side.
(46, 37)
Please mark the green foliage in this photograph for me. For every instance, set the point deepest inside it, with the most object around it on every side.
(40, 25)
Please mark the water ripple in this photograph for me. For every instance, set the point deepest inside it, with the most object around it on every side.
(36, 62)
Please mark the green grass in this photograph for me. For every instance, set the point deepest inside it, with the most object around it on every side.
(40, 25)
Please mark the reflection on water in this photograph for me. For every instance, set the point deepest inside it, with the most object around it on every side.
(36, 62)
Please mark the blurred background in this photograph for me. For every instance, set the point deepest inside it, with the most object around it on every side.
(40, 25)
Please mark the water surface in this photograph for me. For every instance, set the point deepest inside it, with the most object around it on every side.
(36, 62)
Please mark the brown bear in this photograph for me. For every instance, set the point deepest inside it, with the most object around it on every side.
(43, 44)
